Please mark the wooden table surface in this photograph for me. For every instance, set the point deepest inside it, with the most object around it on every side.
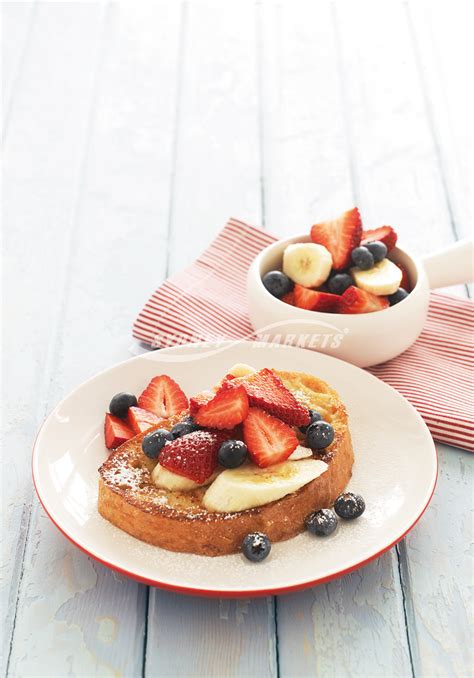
(132, 132)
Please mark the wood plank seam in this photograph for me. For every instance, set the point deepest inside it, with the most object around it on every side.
(54, 343)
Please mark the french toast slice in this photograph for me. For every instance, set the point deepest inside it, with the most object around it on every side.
(178, 521)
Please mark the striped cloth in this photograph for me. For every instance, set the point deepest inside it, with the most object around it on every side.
(206, 302)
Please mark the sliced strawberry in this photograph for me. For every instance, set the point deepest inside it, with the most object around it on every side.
(194, 455)
(313, 300)
(355, 300)
(269, 440)
(163, 396)
(339, 236)
(289, 298)
(385, 234)
(226, 409)
(266, 390)
(405, 282)
(197, 401)
(141, 420)
(116, 432)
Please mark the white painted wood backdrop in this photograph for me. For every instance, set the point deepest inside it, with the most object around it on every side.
(131, 133)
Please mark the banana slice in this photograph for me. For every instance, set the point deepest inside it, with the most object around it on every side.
(250, 486)
(383, 278)
(307, 264)
(241, 370)
(168, 480)
(300, 452)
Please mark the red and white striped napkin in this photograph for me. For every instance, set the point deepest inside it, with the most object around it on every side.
(207, 301)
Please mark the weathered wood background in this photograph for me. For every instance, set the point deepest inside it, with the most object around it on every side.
(131, 133)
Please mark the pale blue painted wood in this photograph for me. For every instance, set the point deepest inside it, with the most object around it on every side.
(75, 616)
(210, 638)
(40, 178)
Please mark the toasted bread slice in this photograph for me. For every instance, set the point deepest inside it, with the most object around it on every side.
(177, 521)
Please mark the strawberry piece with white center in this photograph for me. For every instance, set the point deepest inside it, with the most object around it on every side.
(226, 409)
(340, 236)
(313, 300)
(141, 420)
(355, 300)
(116, 432)
(193, 456)
(163, 397)
(266, 390)
(269, 440)
(384, 234)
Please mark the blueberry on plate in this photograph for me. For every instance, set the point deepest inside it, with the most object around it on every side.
(232, 453)
(256, 546)
(397, 296)
(277, 283)
(314, 416)
(349, 505)
(182, 428)
(377, 249)
(153, 442)
(319, 435)
(120, 404)
(362, 258)
(322, 522)
(339, 283)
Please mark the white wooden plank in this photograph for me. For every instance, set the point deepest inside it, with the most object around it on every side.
(217, 170)
(356, 625)
(217, 146)
(42, 156)
(17, 20)
(75, 616)
(210, 638)
(307, 173)
(442, 42)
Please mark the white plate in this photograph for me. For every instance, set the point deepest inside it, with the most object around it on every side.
(395, 471)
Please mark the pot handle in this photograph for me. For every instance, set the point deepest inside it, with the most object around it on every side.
(453, 265)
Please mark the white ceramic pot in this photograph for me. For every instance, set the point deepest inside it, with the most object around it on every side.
(362, 339)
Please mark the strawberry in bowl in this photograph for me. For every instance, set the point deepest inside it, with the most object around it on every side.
(342, 269)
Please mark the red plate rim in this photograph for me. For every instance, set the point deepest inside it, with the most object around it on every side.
(211, 593)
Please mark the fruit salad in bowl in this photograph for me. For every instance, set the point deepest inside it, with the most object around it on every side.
(342, 269)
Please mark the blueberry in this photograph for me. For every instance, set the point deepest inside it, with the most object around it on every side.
(319, 435)
(232, 453)
(256, 546)
(314, 416)
(120, 403)
(322, 522)
(182, 428)
(377, 249)
(277, 283)
(339, 283)
(349, 505)
(153, 442)
(362, 258)
(190, 421)
(397, 296)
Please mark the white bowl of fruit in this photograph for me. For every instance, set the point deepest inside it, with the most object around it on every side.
(348, 292)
